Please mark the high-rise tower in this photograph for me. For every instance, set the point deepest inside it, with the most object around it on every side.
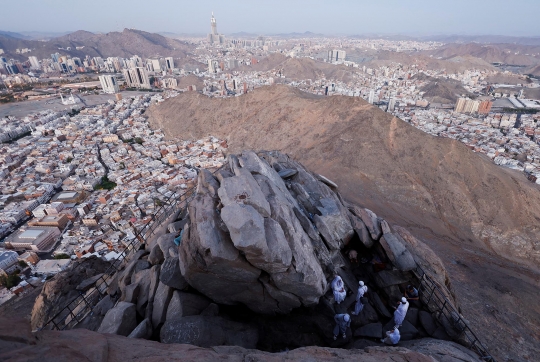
(214, 37)
(213, 24)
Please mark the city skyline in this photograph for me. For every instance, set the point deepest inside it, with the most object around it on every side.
(418, 17)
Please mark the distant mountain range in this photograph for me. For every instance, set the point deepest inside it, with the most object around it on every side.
(511, 54)
(114, 44)
(32, 35)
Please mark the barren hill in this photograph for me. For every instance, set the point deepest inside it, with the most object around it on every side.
(474, 214)
(440, 90)
(301, 68)
(115, 44)
(513, 54)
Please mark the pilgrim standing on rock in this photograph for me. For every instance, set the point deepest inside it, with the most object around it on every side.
(401, 312)
(339, 289)
(343, 321)
(362, 289)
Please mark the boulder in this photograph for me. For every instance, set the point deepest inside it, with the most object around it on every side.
(287, 172)
(167, 245)
(243, 189)
(156, 255)
(385, 227)
(121, 320)
(361, 230)
(249, 246)
(211, 311)
(131, 293)
(440, 333)
(427, 322)
(147, 280)
(160, 305)
(378, 304)
(327, 181)
(186, 304)
(177, 226)
(373, 330)
(393, 293)
(412, 316)
(130, 269)
(88, 283)
(103, 306)
(386, 278)
(143, 330)
(171, 275)
(370, 220)
(207, 183)
(397, 252)
(205, 331)
(248, 233)
(408, 331)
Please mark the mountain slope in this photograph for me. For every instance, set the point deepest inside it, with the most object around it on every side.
(440, 90)
(115, 44)
(301, 68)
(474, 214)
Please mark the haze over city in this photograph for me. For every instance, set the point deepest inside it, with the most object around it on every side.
(416, 17)
(287, 180)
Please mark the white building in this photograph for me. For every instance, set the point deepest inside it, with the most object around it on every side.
(371, 97)
(169, 62)
(109, 84)
(137, 78)
(8, 259)
(34, 62)
(336, 55)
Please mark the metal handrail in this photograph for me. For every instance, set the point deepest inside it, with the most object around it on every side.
(431, 295)
(78, 308)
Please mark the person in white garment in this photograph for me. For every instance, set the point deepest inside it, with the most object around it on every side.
(343, 321)
(339, 289)
(401, 312)
(362, 289)
(392, 337)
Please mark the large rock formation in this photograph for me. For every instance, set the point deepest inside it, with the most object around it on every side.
(256, 239)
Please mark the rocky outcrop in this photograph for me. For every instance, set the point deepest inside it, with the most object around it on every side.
(62, 289)
(250, 241)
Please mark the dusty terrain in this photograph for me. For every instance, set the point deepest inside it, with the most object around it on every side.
(481, 219)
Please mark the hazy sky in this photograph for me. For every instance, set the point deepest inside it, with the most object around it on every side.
(417, 17)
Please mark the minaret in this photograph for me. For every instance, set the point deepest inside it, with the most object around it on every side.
(213, 24)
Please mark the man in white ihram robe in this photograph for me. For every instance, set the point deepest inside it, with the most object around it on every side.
(401, 312)
(362, 289)
(339, 289)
